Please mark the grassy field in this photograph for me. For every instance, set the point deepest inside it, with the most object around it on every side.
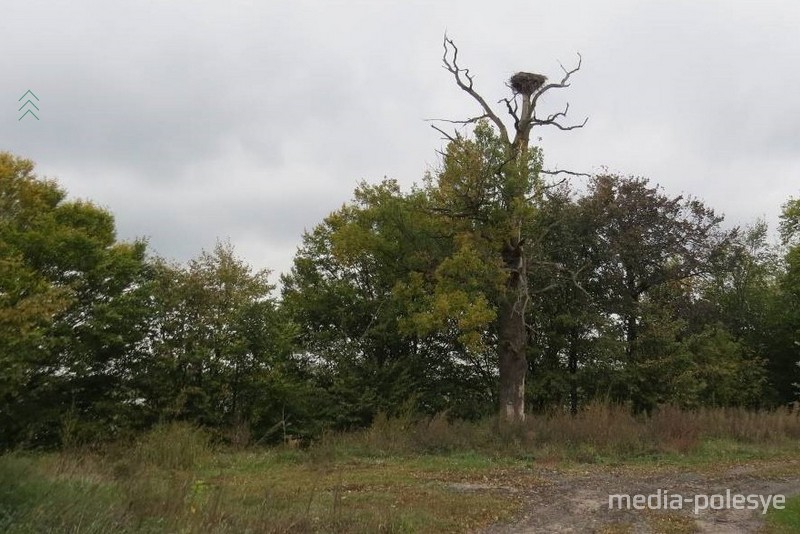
(398, 476)
(786, 521)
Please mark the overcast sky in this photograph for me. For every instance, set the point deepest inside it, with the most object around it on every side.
(198, 120)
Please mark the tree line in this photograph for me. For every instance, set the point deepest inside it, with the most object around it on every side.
(490, 288)
(390, 307)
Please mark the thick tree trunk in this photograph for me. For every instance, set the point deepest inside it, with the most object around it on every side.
(513, 363)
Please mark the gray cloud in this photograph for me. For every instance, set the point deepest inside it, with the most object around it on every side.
(198, 120)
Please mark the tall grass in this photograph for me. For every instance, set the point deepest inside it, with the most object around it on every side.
(173, 446)
(598, 428)
(31, 502)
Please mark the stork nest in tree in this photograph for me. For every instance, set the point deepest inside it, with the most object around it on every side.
(526, 83)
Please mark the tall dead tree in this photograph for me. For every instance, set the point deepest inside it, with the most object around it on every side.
(527, 89)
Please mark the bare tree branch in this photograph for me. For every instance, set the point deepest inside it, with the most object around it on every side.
(562, 171)
(578, 284)
(548, 187)
(539, 122)
(554, 116)
(457, 214)
(512, 109)
(445, 134)
(573, 275)
(564, 81)
(465, 121)
(465, 81)
(546, 288)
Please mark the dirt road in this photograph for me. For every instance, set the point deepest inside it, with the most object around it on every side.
(577, 499)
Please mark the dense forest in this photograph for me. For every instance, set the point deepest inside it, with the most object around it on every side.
(633, 296)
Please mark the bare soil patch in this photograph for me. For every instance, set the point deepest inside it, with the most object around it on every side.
(576, 499)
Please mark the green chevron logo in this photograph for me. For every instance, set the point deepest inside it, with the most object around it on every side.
(29, 105)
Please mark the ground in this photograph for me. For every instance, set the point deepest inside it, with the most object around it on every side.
(451, 479)
(576, 499)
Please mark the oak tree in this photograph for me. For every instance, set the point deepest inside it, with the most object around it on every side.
(488, 189)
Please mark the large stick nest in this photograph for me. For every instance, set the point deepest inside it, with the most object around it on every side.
(526, 83)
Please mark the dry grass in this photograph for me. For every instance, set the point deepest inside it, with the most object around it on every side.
(597, 431)
(400, 475)
(671, 523)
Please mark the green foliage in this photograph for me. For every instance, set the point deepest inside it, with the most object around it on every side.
(483, 198)
(634, 296)
(790, 221)
(72, 310)
(99, 341)
(628, 313)
(394, 305)
(220, 349)
(361, 291)
(708, 368)
(785, 312)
